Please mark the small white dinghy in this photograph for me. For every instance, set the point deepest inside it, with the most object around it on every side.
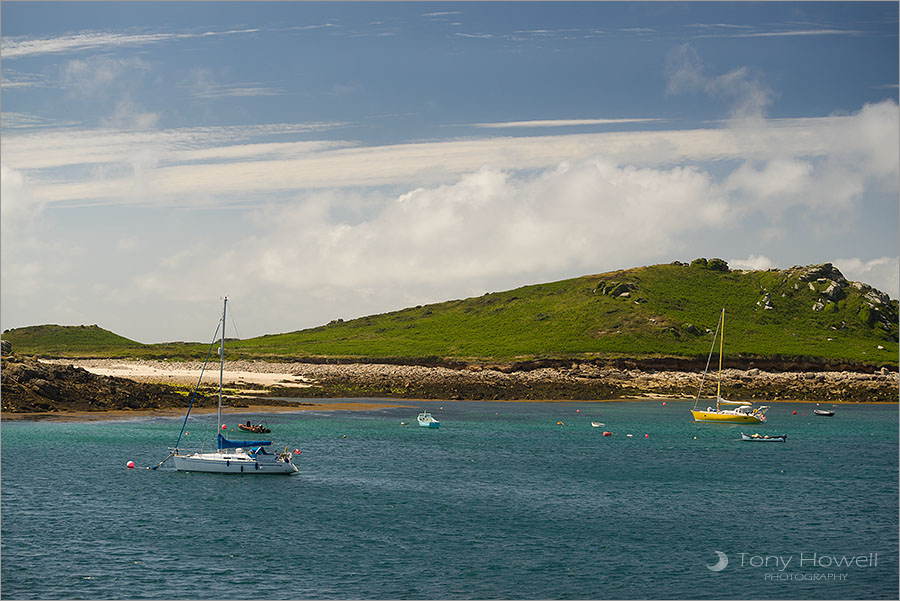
(426, 420)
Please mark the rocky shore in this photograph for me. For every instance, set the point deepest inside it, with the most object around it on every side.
(571, 381)
(31, 386)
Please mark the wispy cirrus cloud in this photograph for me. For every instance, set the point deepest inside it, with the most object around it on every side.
(444, 13)
(21, 47)
(244, 90)
(15, 79)
(480, 36)
(205, 84)
(225, 162)
(560, 123)
(726, 30)
(798, 32)
(15, 120)
(62, 148)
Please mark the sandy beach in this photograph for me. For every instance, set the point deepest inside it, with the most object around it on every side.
(253, 373)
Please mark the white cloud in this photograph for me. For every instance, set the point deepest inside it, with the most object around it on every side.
(752, 263)
(829, 159)
(561, 123)
(488, 230)
(18, 47)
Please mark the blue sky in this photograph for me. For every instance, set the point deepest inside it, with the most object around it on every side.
(317, 161)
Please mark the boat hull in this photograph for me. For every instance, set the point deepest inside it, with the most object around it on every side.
(726, 418)
(430, 424)
(779, 438)
(219, 463)
(254, 429)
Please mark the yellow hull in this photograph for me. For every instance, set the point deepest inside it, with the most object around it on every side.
(725, 418)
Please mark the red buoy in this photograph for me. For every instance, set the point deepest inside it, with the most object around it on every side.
(130, 465)
(297, 451)
(795, 413)
(607, 434)
(646, 436)
(224, 426)
(664, 402)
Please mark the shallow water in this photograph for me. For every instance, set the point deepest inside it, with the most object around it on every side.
(500, 502)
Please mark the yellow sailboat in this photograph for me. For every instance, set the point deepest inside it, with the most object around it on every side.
(743, 411)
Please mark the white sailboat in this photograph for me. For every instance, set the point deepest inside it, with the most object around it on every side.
(231, 456)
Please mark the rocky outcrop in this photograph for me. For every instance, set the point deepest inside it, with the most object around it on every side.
(30, 386)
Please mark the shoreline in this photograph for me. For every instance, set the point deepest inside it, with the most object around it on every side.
(261, 384)
(125, 415)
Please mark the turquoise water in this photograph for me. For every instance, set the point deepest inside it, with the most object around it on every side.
(500, 502)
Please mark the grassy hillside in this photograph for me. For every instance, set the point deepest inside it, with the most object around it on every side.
(662, 310)
(57, 340)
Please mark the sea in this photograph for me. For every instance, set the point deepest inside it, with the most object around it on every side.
(503, 501)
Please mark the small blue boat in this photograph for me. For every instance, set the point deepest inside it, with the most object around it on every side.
(426, 420)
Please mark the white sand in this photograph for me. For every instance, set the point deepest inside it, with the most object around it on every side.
(257, 373)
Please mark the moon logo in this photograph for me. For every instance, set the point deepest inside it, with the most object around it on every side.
(721, 564)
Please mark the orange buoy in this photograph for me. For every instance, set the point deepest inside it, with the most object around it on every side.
(607, 433)
(130, 465)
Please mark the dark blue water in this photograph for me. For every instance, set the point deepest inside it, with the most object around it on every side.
(500, 502)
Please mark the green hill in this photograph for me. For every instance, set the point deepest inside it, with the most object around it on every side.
(64, 340)
(806, 313)
(661, 310)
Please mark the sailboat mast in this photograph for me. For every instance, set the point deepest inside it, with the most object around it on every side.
(721, 346)
(221, 365)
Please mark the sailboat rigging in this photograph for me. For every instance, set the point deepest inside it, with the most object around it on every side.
(230, 456)
(744, 412)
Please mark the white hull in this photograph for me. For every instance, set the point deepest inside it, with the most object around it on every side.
(233, 463)
(426, 420)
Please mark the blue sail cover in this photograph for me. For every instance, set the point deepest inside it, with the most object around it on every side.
(224, 443)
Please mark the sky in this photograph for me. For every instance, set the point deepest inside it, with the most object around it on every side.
(320, 161)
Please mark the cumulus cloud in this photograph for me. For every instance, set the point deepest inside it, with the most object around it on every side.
(488, 230)
(752, 263)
